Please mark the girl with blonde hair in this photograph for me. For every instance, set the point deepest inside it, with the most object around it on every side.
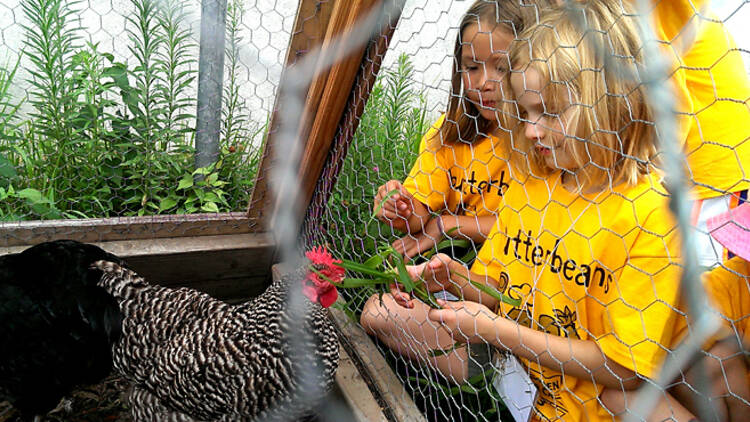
(587, 244)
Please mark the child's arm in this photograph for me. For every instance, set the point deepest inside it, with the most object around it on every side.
(401, 210)
(469, 227)
(475, 323)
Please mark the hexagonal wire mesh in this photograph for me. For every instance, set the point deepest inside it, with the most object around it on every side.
(553, 249)
(99, 106)
(410, 95)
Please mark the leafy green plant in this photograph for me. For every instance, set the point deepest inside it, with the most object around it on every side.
(387, 141)
(177, 76)
(241, 147)
(110, 139)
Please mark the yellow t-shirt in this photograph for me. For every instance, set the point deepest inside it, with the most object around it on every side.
(712, 75)
(600, 267)
(728, 286)
(462, 178)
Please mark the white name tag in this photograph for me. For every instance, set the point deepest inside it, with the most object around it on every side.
(515, 387)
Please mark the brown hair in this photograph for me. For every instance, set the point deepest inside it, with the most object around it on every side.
(462, 120)
(588, 55)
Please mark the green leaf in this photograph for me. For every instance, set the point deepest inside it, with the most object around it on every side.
(167, 203)
(210, 207)
(491, 291)
(374, 261)
(7, 170)
(441, 352)
(403, 275)
(32, 195)
(349, 283)
(360, 268)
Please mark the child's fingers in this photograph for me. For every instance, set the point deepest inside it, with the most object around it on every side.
(400, 297)
(445, 316)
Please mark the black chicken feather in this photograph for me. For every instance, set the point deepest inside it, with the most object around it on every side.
(56, 324)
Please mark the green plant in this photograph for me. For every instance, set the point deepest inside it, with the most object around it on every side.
(177, 76)
(386, 141)
(240, 146)
(8, 128)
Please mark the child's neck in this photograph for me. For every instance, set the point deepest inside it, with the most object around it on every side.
(570, 183)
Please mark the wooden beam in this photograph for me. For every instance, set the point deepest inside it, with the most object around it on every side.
(310, 27)
(399, 406)
(27, 233)
(360, 93)
(332, 103)
(229, 266)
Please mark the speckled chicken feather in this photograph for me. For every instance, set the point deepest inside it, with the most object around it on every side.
(192, 357)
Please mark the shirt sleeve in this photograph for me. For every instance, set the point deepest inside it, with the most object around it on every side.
(429, 178)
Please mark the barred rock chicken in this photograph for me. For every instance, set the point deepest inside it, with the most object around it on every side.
(56, 324)
(188, 356)
(191, 356)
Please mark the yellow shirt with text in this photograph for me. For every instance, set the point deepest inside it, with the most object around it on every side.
(601, 267)
(461, 178)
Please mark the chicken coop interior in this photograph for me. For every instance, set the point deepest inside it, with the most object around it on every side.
(210, 143)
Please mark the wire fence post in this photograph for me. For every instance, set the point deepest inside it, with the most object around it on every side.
(210, 81)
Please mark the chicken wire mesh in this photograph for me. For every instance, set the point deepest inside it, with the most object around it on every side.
(408, 98)
(101, 106)
(581, 246)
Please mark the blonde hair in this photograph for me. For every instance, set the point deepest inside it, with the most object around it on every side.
(588, 56)
(462, 119)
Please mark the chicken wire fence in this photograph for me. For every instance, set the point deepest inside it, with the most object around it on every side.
(99, 120)
(581, 247)
(111, 109)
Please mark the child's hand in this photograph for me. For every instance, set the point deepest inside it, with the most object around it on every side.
(397, 207)
(412, 244)
(469, 322)
(435, 274)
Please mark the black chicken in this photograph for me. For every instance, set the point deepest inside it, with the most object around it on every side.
(192, 357)
(56, 324)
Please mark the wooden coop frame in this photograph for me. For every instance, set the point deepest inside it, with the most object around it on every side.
(233, 256)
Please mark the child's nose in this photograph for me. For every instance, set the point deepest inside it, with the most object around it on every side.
(534, 130)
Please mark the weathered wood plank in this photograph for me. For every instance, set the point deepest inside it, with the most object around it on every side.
(25, 233)
(355, 391)
(389, 387)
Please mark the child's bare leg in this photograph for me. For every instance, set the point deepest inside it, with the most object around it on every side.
(410, 333)
(727, 399)
(620, 402)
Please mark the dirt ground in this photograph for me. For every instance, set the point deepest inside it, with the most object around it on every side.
(103, 402)
(107, 402)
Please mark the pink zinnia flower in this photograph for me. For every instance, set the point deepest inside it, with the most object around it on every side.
(317, 288)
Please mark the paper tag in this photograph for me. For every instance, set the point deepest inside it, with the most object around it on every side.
(445, 295)
(515, 387)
